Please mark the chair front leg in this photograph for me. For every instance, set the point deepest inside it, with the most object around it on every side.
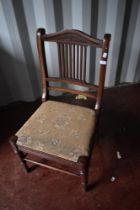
(19, 153)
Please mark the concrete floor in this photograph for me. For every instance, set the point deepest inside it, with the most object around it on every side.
(114, 183)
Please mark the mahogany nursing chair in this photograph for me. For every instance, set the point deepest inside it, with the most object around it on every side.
(61, 134)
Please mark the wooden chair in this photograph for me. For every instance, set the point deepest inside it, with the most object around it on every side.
(58, 132)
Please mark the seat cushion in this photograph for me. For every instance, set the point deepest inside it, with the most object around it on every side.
(59, 129)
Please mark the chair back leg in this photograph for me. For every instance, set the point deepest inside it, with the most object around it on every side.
(84, 172)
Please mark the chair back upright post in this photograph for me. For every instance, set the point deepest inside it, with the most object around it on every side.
(102, 71)
(42, 62)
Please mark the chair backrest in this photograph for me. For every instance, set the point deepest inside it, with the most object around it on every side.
(72, 53)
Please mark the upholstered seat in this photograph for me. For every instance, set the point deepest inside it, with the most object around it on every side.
(59, 129)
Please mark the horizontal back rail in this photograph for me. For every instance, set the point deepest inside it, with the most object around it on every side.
(68, 90)
(74, 82)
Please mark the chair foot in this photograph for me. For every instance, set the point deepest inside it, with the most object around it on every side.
(84, 180)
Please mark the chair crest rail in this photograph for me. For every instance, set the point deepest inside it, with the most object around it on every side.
(73, 37)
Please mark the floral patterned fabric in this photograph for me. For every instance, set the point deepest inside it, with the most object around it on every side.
(59, 129)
